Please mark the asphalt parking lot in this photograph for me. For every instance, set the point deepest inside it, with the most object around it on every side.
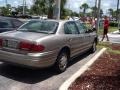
(16, 78)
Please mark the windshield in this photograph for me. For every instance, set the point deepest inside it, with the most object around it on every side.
(40, 26)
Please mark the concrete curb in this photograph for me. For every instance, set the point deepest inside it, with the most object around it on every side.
(68, 82)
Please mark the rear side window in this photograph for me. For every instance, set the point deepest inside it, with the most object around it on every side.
(70, 28)
(40, 26)
(5, 24)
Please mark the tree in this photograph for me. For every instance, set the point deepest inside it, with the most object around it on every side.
(39, 7)
(20, 9)
(6, 11)
(111, 11)
(75, 14)
(115, 14)
(63, 10)
(94, 9)
(84, 7)
(50, 9)
(67, 13)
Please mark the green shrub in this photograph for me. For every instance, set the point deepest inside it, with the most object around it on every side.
(113, 24)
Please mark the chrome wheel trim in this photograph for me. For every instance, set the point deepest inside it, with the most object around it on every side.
(63, 62)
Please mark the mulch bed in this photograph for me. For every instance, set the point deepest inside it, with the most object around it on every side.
(115, 46)
(104, 74)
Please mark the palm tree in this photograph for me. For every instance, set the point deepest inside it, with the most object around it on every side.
(84, 7)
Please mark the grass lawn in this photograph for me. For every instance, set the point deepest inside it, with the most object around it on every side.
(109, 46)
(111, 29)
(100, 32)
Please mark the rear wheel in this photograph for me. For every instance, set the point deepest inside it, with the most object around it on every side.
(93, 48)
(61, 62)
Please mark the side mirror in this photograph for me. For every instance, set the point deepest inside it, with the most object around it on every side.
(89, 31)
(94, 29)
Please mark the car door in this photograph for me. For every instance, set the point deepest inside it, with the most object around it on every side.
(93, 36)
(72, 35)
(88, 37)
(85, 36)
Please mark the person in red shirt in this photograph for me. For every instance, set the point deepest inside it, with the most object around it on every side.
(106, 26)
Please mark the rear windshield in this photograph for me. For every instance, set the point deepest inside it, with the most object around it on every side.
(40, 26)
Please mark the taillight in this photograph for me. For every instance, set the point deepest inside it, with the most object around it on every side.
(37, 48)
(31, 47)
(25, 46)
(1, 42)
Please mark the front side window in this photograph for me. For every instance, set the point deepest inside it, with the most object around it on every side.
(5, 24)
(70, 28)
(40, 26)
(82, 28)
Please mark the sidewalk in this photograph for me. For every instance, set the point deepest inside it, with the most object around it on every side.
(114, 37)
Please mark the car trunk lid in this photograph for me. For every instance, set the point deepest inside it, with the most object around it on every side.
(29, 36)
(11, 40)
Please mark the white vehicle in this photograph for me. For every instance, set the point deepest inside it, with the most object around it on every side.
(74, 18)
(44, 17)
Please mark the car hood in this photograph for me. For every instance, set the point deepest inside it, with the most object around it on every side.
(30, 36)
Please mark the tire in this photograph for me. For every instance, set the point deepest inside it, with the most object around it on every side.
(93, 48)
(61, 62)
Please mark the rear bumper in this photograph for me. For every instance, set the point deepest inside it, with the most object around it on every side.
(37, 60)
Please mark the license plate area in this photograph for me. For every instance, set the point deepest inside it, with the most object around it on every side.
(10, 44)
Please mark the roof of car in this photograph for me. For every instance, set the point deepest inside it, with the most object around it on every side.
(51, 20)
(3, 17)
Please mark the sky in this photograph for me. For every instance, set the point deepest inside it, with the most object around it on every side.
(105, 4)
(71, 4)
(15, 3)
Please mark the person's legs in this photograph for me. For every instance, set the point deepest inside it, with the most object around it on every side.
(103, 35)
(107, 37)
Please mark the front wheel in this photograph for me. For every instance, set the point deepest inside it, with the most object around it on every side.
(61, 62)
